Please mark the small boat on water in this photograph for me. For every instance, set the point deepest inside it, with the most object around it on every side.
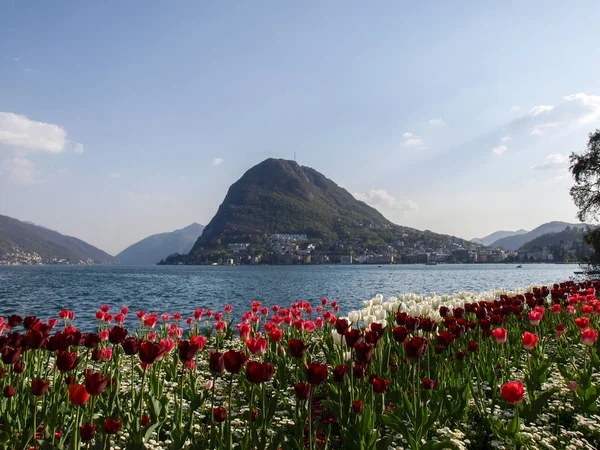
(519, 266)
(431, 263)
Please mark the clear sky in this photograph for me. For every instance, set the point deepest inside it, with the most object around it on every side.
(123, 119)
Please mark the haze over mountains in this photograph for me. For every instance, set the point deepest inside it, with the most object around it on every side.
(513, 243)
(152, 249)
(490, 239)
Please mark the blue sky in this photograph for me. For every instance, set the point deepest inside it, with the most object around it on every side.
(123, 119)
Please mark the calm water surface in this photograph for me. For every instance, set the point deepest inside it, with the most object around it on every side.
(43, 290)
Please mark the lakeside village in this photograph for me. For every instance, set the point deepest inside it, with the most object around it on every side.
(19, 257)
(290, 249)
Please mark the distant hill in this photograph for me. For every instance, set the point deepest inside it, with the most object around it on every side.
(564, 246)
(281, 196)
(30, 243)
(513, 243)
(490, 239)
(152, 249)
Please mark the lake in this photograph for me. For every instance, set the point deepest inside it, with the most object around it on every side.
(43, 290)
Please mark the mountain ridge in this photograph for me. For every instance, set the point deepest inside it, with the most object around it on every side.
(513, 243)
(152, 249)
(21, 241)
(491, 238)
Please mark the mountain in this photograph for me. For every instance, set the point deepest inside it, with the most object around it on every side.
(490, 239)
(281, 197)
(152, 249)
(513, 243)
(565, 246)
(28, 243)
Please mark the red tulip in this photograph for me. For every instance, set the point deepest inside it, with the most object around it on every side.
(302, 391)
(472, 346)
(297, 348)
(512, 392)
(353, 337)
(39, 387)
(234, 361)
(117, 335)
(151, 351)
(131, 346)
(357, 407)
(316, 373)
(215, 362)
(66, 361)
(14, 320)
(429, 384)
(500, 335)
(589, 336)
(112, 426)
(257, 346)
(257, 372)
(9, 391)
(78, 394)
(380, 385)
(582, 323)
(187, 350)
(341, 325)
(91, 340)
(220, 414)
(530, 340)
(95, 383)
(415, 347)
(11, 355)
(364, 351)
(87, 431)
(339, 373)
(276, 334)
(145, 420)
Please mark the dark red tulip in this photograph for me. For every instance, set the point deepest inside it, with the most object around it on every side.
(257, 372)
(187, 350)
(117, 335)
(297, 348)
(340, 372)
(91, 340)
(66, 361)
(96, 354)
(215, 362)
(220, 414)
(316, 373)
(358, 370)
(444, 311)
(372, 337)
(380, 385)
(401, 318)
(412, 323)
(427, 324)
(460, 355)
(429, 384)
(29, 322)
(400, 333)
(131, 346)
(341, 325)
(112, 425)
(357, 407)
(11, 355)
(87, 431)
(149, 351)
(39, 387)
(439, 349)
(415, 347)
(9, 391)
(353, 337)
(95, 383)
(364, 352)
(145, 420)
(472, 346)
(302, 391)
(14, 320)
(70, 379)
(35, 339)
(234, 361)
(19, 367)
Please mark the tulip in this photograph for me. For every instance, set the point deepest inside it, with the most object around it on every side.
(11, 355)
(187, 350)
(257, 346)
(512, 392)
(78, 395)
(9, 391)
(66, 361)
(220, 414)
(87, 431)
(380, 385)
(14, 320)
(472, 346)
(582, 323)
(215, 362)
(151, 351)
(234, 361)
(257, 372)
(535, 317)
(500, 335)
(95, 383)
(589, 336)
(145, 420)
(39, 387)
(297, 348)
(429, 384)
(117, 335)
(340, 372)
(199, 340)
(91, 340)
(415, 347)
(112, 426)
(302, 391)
(530, 340)
(276, 334)
(316, 373)
(353, 337)
(357, 407)
(131, 346)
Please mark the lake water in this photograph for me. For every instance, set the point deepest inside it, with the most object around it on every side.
(43, 290)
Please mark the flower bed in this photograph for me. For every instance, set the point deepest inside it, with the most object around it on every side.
(497, 369)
